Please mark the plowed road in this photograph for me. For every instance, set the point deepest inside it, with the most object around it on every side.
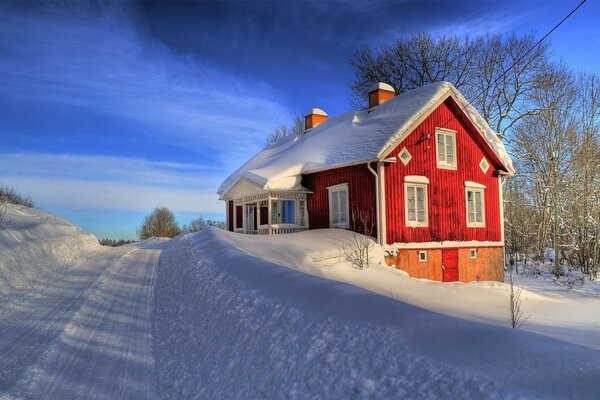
(84, 334)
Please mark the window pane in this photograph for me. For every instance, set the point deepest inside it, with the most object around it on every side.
(274, 212)
(478, 207)
(470, 207)
(343, 206)
(335, 207)
(420, 204)
(301, 212)
(288, 211)
(410, 192)
(441, 148)
(450, 149)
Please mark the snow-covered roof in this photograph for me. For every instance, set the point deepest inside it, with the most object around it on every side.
(354, 137)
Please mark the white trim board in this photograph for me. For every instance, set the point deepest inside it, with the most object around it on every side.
(443, 245)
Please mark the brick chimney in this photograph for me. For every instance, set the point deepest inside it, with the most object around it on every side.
(313, 118)
(380, 93)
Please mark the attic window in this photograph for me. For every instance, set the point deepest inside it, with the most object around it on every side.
(446, 148)
(484, 165)
(404, 156)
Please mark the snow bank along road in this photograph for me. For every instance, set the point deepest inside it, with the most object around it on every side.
(198, 318)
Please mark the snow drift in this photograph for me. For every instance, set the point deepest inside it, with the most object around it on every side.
(229, 324)
(34, 243)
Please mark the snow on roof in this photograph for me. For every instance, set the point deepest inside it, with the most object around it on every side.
(352, 138)
(382, 86)
(316, 111)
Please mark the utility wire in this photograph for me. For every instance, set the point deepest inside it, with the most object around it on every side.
(539, 42)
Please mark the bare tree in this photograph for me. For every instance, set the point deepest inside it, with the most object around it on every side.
(545, 143)
(359, 249)
(515, 312)
(160, 223)
(495, 72)
(295, 127)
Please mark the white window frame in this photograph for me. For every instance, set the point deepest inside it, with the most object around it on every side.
(277, 211)
(423, 253)
(444, 164)
(473, 254)
(301, 219)
(339, 188)
(416, 182)
(475, 187)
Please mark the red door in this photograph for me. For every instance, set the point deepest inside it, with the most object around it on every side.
(450, 264)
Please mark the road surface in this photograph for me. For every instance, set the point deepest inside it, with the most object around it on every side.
(84, 334)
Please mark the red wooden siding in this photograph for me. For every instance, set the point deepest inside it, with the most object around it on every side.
(446, 190)
(230, 215)
(361, 194)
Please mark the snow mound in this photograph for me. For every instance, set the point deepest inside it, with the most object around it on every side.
(229, 324)
(34, 243)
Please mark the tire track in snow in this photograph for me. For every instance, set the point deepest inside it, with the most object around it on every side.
(32, 320)
(105, 349)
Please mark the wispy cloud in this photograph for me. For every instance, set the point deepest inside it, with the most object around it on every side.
(97, 59)
(70, 181)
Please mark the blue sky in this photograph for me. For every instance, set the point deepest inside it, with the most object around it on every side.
(108, 109)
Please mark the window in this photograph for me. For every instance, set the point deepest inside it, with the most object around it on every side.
(338, 206)
(422, 256)
(473, 253)
(484, 165)
(446, 148)
(301, 213)
(404, 156)
(283, 212)
(415, 194)
(475, 204)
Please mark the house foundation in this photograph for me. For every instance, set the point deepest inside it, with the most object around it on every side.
(451, 265)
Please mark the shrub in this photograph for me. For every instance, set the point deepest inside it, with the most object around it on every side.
(160, 223)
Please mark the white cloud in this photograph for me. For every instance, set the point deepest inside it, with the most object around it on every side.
(60, 181)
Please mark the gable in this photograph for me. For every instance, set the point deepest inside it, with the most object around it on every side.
(242, 188)
(465, 115)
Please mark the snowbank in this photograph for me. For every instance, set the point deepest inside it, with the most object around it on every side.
(34, 244)
(231, 325)
(561, 314)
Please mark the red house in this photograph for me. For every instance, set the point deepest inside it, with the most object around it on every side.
(424, 167)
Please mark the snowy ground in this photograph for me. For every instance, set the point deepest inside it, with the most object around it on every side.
(215, 315)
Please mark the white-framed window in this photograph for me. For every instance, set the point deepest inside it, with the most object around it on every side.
(473, 254)
(283, 212)
(415, 201)
(404, 156)
(475, 204)
(422, 256)
(445, 140)
(338, 206)
(301, 213)
(484, 165)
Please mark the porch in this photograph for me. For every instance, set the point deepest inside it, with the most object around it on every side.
(270, 213)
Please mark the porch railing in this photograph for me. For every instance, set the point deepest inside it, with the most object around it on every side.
(275, 231)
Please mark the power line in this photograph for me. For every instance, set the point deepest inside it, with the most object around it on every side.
(538, 43)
